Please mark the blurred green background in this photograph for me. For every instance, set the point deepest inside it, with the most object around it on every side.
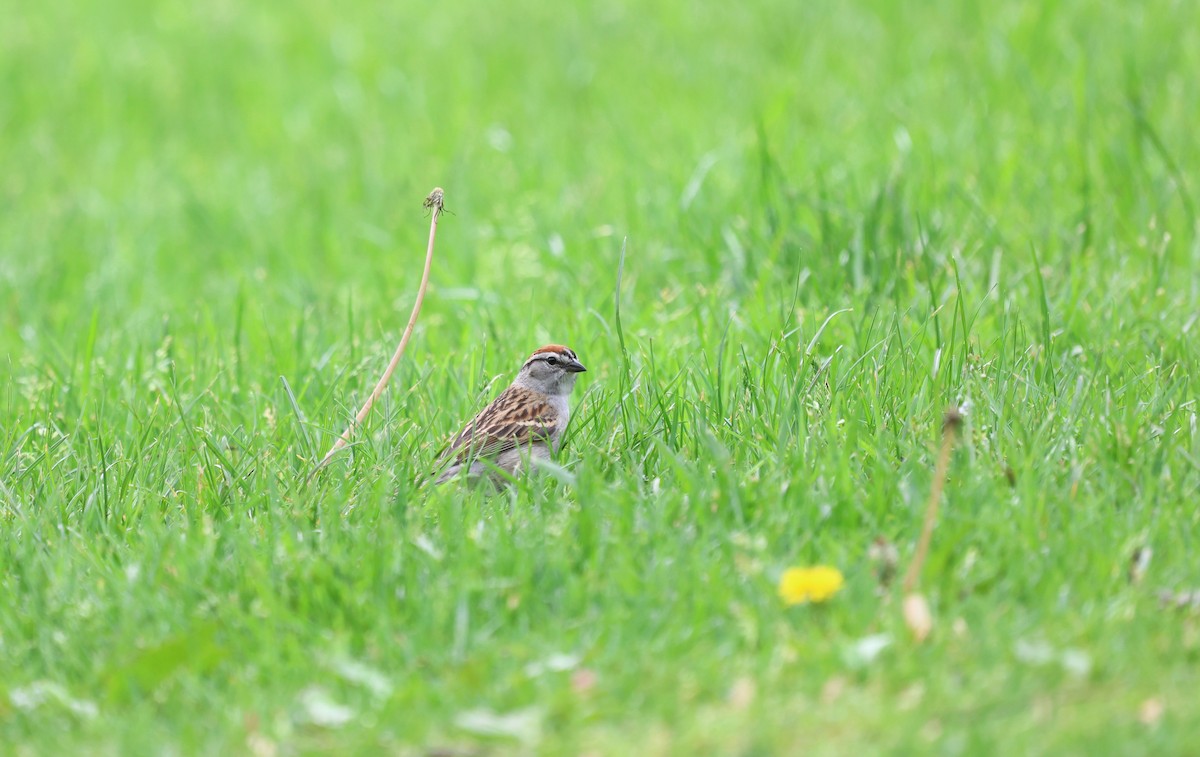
(160, 157)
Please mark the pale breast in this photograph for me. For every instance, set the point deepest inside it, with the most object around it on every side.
(560, 405)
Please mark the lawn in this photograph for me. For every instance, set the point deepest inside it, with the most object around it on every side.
(839, 219)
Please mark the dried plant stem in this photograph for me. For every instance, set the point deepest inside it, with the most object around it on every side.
(436, 206)
(950, 423)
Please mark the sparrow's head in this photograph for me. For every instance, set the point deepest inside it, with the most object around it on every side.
(550, 370)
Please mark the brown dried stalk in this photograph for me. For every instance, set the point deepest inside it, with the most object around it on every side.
(435, 203)
(950, 423)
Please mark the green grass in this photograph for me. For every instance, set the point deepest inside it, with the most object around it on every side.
(841, 219)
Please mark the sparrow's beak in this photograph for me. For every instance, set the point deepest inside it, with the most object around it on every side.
(574, 366)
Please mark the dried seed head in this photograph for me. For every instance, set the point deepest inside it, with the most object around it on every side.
(435, 200)
(951, 420)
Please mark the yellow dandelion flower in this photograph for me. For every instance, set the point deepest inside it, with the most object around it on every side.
(815, 584)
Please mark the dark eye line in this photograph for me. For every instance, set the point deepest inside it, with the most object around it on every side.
(553, 359)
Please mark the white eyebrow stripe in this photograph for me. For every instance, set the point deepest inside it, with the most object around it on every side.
(566, 353)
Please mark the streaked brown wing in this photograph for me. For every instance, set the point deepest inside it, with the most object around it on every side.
(517, 417)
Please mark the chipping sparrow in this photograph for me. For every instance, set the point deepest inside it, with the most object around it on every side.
(524, 423)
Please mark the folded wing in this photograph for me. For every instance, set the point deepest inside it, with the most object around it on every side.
(518, 417)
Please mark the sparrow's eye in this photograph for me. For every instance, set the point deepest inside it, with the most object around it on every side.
(552, 360)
